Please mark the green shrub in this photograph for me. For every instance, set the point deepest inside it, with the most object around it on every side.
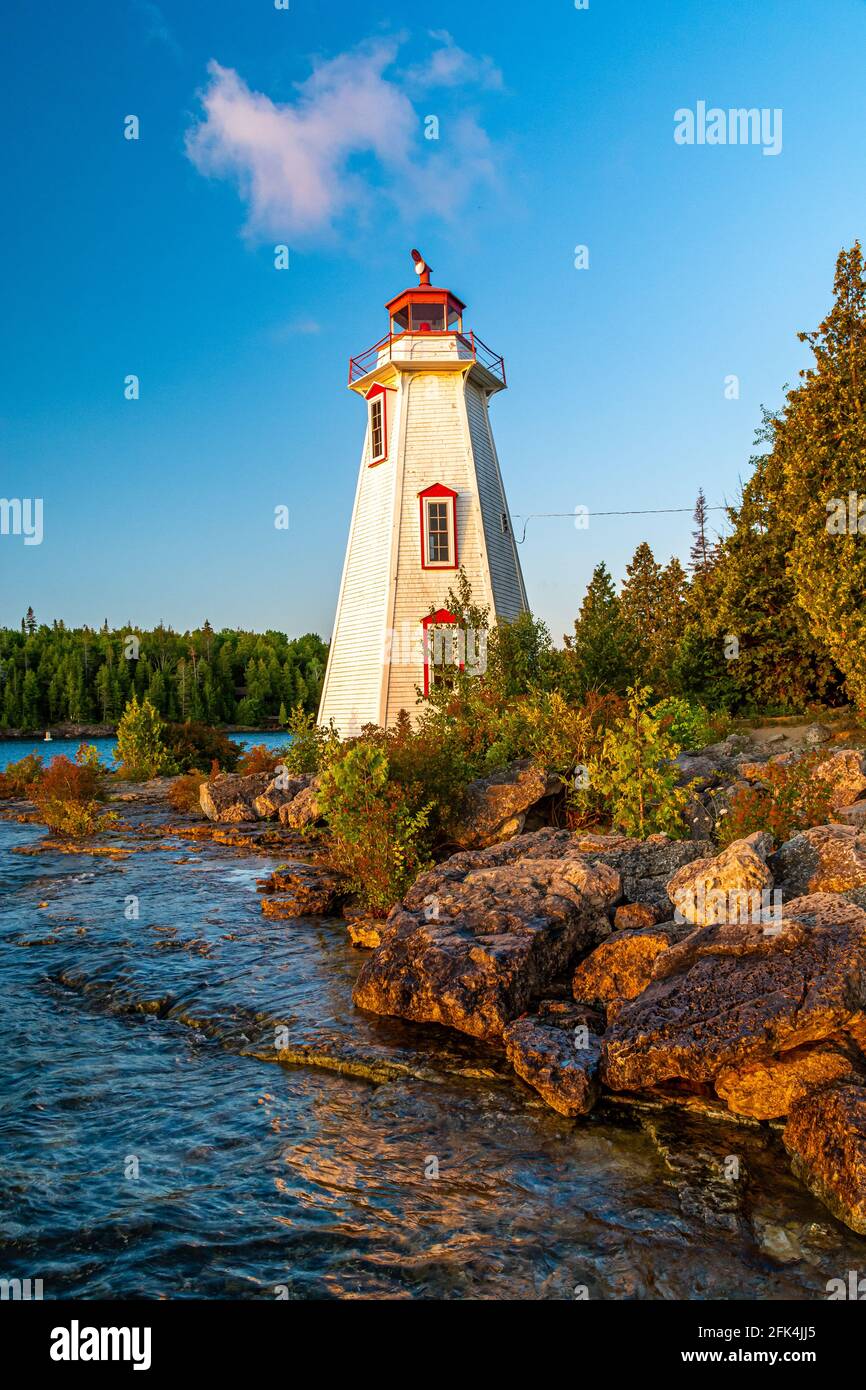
(141, 752)
(689, 724)
(376, 838)
(306, 752)
(634, 775)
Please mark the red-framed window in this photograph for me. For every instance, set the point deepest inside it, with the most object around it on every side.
(433, 657)
(438, 516)
(377, 406)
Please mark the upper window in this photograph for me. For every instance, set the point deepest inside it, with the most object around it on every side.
(439, 528)
(378, 429)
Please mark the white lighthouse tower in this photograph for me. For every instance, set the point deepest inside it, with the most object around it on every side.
(429, 500)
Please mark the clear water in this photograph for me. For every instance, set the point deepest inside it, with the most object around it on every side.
(152, 1147)
(11, 749)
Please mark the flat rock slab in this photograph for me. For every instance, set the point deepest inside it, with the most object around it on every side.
(302, 890)
(730, 996)
(826, 1139)
(481, 936)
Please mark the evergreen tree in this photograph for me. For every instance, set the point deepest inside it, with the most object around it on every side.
(599, 652)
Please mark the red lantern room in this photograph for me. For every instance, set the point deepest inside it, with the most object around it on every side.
(425, 309)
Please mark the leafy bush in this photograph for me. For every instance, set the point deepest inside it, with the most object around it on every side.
(18, 779)
(633, 772)
(141, 752)
(193, 745)
(306, 752)
(689, 724)
(260, 758)
(791, 798)
(68, 797)
(183, 794)
(376, 839)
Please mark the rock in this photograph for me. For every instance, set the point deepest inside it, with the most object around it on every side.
(230, 798)
(481, 936)
(700, 815)
(826, 1139)
(622, 966)
(280, 790)
(844, 774)
(494, 808)
(306, 890)
(779, 737)
(852, 815)
(825, 859)
(725, 888)
(645, 866)
(366, 932)
(558, 1059)
(303, 809)
(633, 915)
(816, 734)
(708, 767)
(766, 1090)
(732, 996)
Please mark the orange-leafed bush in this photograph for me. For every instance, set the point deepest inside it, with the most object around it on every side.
(790, 798)
(260, 759)
(18, 779)
(68, 798)
(184, 794)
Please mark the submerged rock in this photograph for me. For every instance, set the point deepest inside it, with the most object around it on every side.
(826, 1139)
(558, 1056)
(731, 996)
(494, 808)
(481, 936)
(305, 890)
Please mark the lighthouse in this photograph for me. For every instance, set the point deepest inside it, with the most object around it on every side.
(429, 501)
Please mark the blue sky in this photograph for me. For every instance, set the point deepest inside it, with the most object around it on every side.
(260, 126)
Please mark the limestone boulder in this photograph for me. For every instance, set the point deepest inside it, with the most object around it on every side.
(825, 859)
(494, 808)
(279, 792)
(768, 1089)
(724, 887)
(826, 1139)
(230, 798)
(645, 866)
(303, 810)
(483, 935)
(732, 996)
(621, 968)
(558, 1056)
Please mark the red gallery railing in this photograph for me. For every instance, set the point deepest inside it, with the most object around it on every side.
(383, 351)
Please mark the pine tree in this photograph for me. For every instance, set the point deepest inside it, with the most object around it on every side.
(703, 551)
(599, 653)
(819, 473)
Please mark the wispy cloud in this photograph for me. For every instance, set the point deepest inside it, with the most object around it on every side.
(350, 139)
(156, 26)
(451, 66)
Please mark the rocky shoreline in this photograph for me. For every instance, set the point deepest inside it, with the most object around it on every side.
(646, 971)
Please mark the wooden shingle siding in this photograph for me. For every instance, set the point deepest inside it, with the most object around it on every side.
(509, 594)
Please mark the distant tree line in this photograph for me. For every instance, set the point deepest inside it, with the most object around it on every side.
(54, 674)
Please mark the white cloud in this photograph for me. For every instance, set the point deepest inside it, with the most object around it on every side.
(351, 137)
(451, 66)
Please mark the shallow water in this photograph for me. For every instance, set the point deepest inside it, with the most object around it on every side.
(152, 1148)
